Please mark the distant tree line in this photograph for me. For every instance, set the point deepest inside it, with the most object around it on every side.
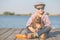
(8, 13)
(12, 13)
(47, 13)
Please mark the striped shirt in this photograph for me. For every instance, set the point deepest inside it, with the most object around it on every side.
(44, 18)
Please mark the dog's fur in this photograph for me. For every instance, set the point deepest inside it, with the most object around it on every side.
(37, 20)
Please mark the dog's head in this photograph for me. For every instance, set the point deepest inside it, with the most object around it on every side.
(37, 20)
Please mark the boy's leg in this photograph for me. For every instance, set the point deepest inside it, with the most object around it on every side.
(44, 30)
(24, 31)
(43, 36)
(28, 33)
(43, 33)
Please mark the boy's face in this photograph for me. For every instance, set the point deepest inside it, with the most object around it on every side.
(40, 9)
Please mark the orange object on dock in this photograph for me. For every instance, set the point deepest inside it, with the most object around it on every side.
(21, 36)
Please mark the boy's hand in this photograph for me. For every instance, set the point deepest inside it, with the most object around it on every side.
(32, 29)
(36, 30)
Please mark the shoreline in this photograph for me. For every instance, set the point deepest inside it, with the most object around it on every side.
(7, 13)
(27, 15)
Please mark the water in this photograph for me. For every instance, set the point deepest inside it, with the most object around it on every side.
(20, 21)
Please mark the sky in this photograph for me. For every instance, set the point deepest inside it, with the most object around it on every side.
(27, 6)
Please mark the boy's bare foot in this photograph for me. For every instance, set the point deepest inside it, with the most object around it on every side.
(42, 37)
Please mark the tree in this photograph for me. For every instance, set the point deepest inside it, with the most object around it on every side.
(47, 13)
(8, 13)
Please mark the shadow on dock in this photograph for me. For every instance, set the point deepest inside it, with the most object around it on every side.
(54, 34)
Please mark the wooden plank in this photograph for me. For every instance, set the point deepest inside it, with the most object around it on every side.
(1, 29)
(57, 37)
(49, 39)
(54, 34)
(53, 38)
(27, 39)
(13, 35)
(4, 30)
(7, 34)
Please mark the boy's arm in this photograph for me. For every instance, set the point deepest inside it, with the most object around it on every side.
(32, 29)
(47, 23)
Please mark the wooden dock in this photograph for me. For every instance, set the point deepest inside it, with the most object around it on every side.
(10, 34)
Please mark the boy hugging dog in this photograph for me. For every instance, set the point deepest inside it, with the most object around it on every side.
(32, 29)
(35, 26)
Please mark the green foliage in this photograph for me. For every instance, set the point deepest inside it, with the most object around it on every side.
(8, 13)
(47, 13)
